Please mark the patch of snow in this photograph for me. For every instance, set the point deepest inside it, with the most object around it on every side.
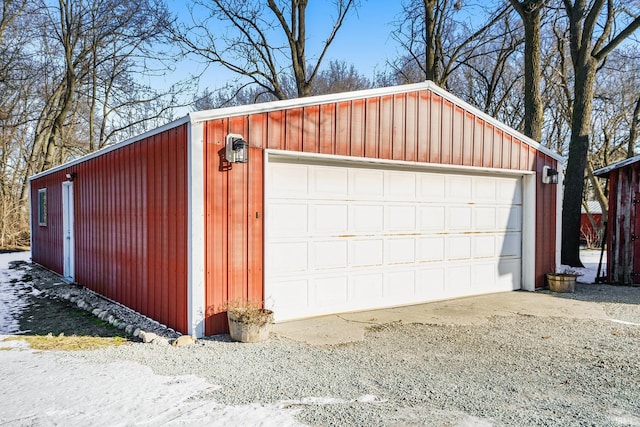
(11, 303)
(590, 258)
(56, 390)
(624, 322)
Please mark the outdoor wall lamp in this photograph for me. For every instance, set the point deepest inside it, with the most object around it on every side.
(236, 149)
(71, 176)
(549, 175)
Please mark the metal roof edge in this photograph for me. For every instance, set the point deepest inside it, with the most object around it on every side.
(264, 107)
(604, 172)
(109, 148)
(495, 122)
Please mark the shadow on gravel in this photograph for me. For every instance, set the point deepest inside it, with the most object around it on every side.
(602, 293)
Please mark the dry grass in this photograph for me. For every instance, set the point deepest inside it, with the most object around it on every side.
(68, 343)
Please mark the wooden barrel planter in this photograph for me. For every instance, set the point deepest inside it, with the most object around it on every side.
(561, 282)
(249, 324)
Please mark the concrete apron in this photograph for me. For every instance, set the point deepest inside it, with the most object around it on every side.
(350, 327)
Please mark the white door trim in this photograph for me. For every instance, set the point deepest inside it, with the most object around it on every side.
(68, 237)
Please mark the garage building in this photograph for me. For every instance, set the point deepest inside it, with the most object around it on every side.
(318, 205)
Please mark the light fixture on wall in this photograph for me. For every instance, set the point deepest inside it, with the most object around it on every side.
(236, 149)
(549, 175)
(71, 176)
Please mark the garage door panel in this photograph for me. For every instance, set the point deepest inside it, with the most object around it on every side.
(509, 191)
(430, 249)
(509, 274)
(366, 252)
(366, 218)
(330, 254)
(328, 219)
(329, 292)
(288, 299)
(459, 189)
(328, 183)
(458, 247)
(397, 237)
(510, 218)
(288, 219)
(366, 184)
(288, 257)
(484, 246)
(510, 245)
(484, 275)
(431, 187)
(431, 218)
(485, 218)
(399, 286)
(484, 190)
(400, 251)
(459, 218)
(400, 218)
(430, 284)
(288, 180)
(458, 280)
(366, 289)
(399, 186)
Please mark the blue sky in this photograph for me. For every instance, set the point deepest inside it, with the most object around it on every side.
(363, 40)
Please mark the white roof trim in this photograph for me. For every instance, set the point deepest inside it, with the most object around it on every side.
(113, 147)
(264, 107)
(604, 172)
(201, 116)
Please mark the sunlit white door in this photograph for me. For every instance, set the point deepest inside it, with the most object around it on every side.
(67, 230)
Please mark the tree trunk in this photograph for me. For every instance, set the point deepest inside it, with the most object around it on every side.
(578, 148)
(430, 64)
(532, 75)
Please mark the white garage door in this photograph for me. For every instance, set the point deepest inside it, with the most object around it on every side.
(346, 237)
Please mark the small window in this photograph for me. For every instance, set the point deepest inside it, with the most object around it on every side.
(42, 206)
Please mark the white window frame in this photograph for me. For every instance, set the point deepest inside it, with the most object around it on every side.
(42, 207)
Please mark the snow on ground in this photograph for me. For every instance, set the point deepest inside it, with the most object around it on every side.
(590, 258)
(49, 388)
(38, 388)
(11, 303)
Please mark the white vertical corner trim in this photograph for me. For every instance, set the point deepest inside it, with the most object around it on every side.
(68, 236)
(559, 199)
(267, 299)
(195, 234)
(529, 232)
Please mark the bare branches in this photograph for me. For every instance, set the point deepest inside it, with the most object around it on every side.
(264, 42)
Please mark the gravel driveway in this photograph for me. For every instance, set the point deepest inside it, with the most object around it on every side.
(546, 360)
(511, 370)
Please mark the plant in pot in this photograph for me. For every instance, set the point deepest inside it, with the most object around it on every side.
(564, 281)
(248, 321)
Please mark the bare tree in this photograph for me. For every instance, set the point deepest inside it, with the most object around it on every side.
(530, 12)
(593, 36)
(433, 42)
(264, 42)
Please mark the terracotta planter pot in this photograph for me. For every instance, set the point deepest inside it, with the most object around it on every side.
(561, 282)
(249, 324)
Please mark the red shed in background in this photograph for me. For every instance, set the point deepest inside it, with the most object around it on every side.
(346, 202)
(623, 237)
(590, 235)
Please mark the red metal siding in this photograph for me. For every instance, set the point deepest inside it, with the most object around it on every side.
(46, 248)
(130, 209)
(414, 126)
(233, 225)
(623, 250)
